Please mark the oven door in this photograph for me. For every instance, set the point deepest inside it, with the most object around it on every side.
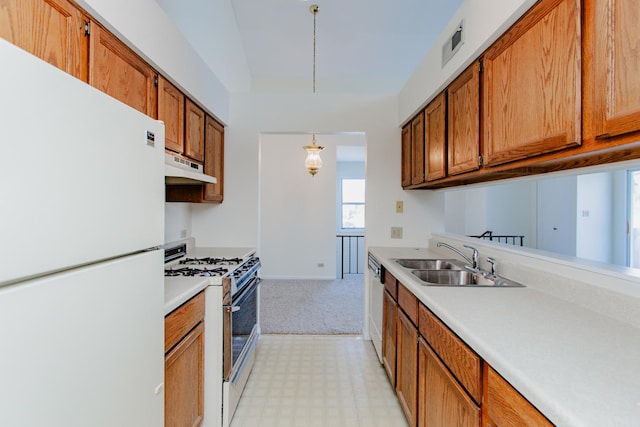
(240, 329)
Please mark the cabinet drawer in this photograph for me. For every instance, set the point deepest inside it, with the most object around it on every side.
(408, 302)
(506, 407)
(180, 321)
(391, 284)
(459, 358)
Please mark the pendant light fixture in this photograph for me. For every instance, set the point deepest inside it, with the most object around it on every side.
(313, 162)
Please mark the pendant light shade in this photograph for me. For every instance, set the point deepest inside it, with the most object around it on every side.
(313, 162)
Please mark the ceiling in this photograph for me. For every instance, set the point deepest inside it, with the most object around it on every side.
(362, 45)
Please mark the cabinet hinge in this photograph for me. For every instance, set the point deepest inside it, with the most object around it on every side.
(155, 81)
(481, 68)
(87, 28)
(480, 160)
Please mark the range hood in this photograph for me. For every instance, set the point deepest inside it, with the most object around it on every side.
(178, 170)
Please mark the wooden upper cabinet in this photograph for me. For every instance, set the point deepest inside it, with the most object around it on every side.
(464, 121)
(417, 149)
(214, 159)
(406, 155)
(435, 134)
(52, 30)
(615, 62)
(117, 71)
(171, 112)
(531, 84)
(194, 131)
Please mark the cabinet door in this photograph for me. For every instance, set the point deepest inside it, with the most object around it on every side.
(435, 134)
(505, 407)
(407, 371)
(464, 121)
(117, 71)
(531, 85)
(441, 400)
(417, 149)
(171, 112)
(406, 155)
(194, 131)
(184, 381)
(616, 64)
(214, 159)
(52, 30)
(389, 321)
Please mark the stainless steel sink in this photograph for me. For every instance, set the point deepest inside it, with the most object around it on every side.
(431, 264)
(462, 278)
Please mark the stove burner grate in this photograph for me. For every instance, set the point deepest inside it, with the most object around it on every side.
(211, 261)
(192, 272)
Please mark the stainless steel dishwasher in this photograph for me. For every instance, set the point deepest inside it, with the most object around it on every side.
(376, 290)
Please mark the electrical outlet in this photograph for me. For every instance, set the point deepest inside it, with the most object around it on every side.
(183, 233)
(399, 206)
(321, 265)
(396, 232)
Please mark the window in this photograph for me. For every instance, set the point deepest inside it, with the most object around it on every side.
(352, 203)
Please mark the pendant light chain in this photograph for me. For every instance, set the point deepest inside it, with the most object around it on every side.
(314, 9)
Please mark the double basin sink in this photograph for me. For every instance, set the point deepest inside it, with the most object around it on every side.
(451, 272)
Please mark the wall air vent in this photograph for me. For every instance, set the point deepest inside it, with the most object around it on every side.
(453, 43)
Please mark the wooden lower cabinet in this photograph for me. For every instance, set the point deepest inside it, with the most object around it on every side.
(389, 322)
(407, 367)
(184, 364)
(505, 407)
(442, 401)
(184, 381)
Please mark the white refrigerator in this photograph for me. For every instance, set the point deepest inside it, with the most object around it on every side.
(81, 265)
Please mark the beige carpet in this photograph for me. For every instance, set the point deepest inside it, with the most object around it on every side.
(316, 307)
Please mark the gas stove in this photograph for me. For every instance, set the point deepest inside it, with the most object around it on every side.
(234, 272)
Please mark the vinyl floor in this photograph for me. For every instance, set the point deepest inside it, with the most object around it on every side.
(317, 381)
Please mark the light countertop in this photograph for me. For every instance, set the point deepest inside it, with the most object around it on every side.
(578, 367)
(178, 289)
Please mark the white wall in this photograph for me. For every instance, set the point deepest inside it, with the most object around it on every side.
(297, 222)
(484, 21)
(235, 222)
(210, 26)
(177, 223)
(144, 26)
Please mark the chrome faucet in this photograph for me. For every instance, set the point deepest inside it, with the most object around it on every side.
(473, 261)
